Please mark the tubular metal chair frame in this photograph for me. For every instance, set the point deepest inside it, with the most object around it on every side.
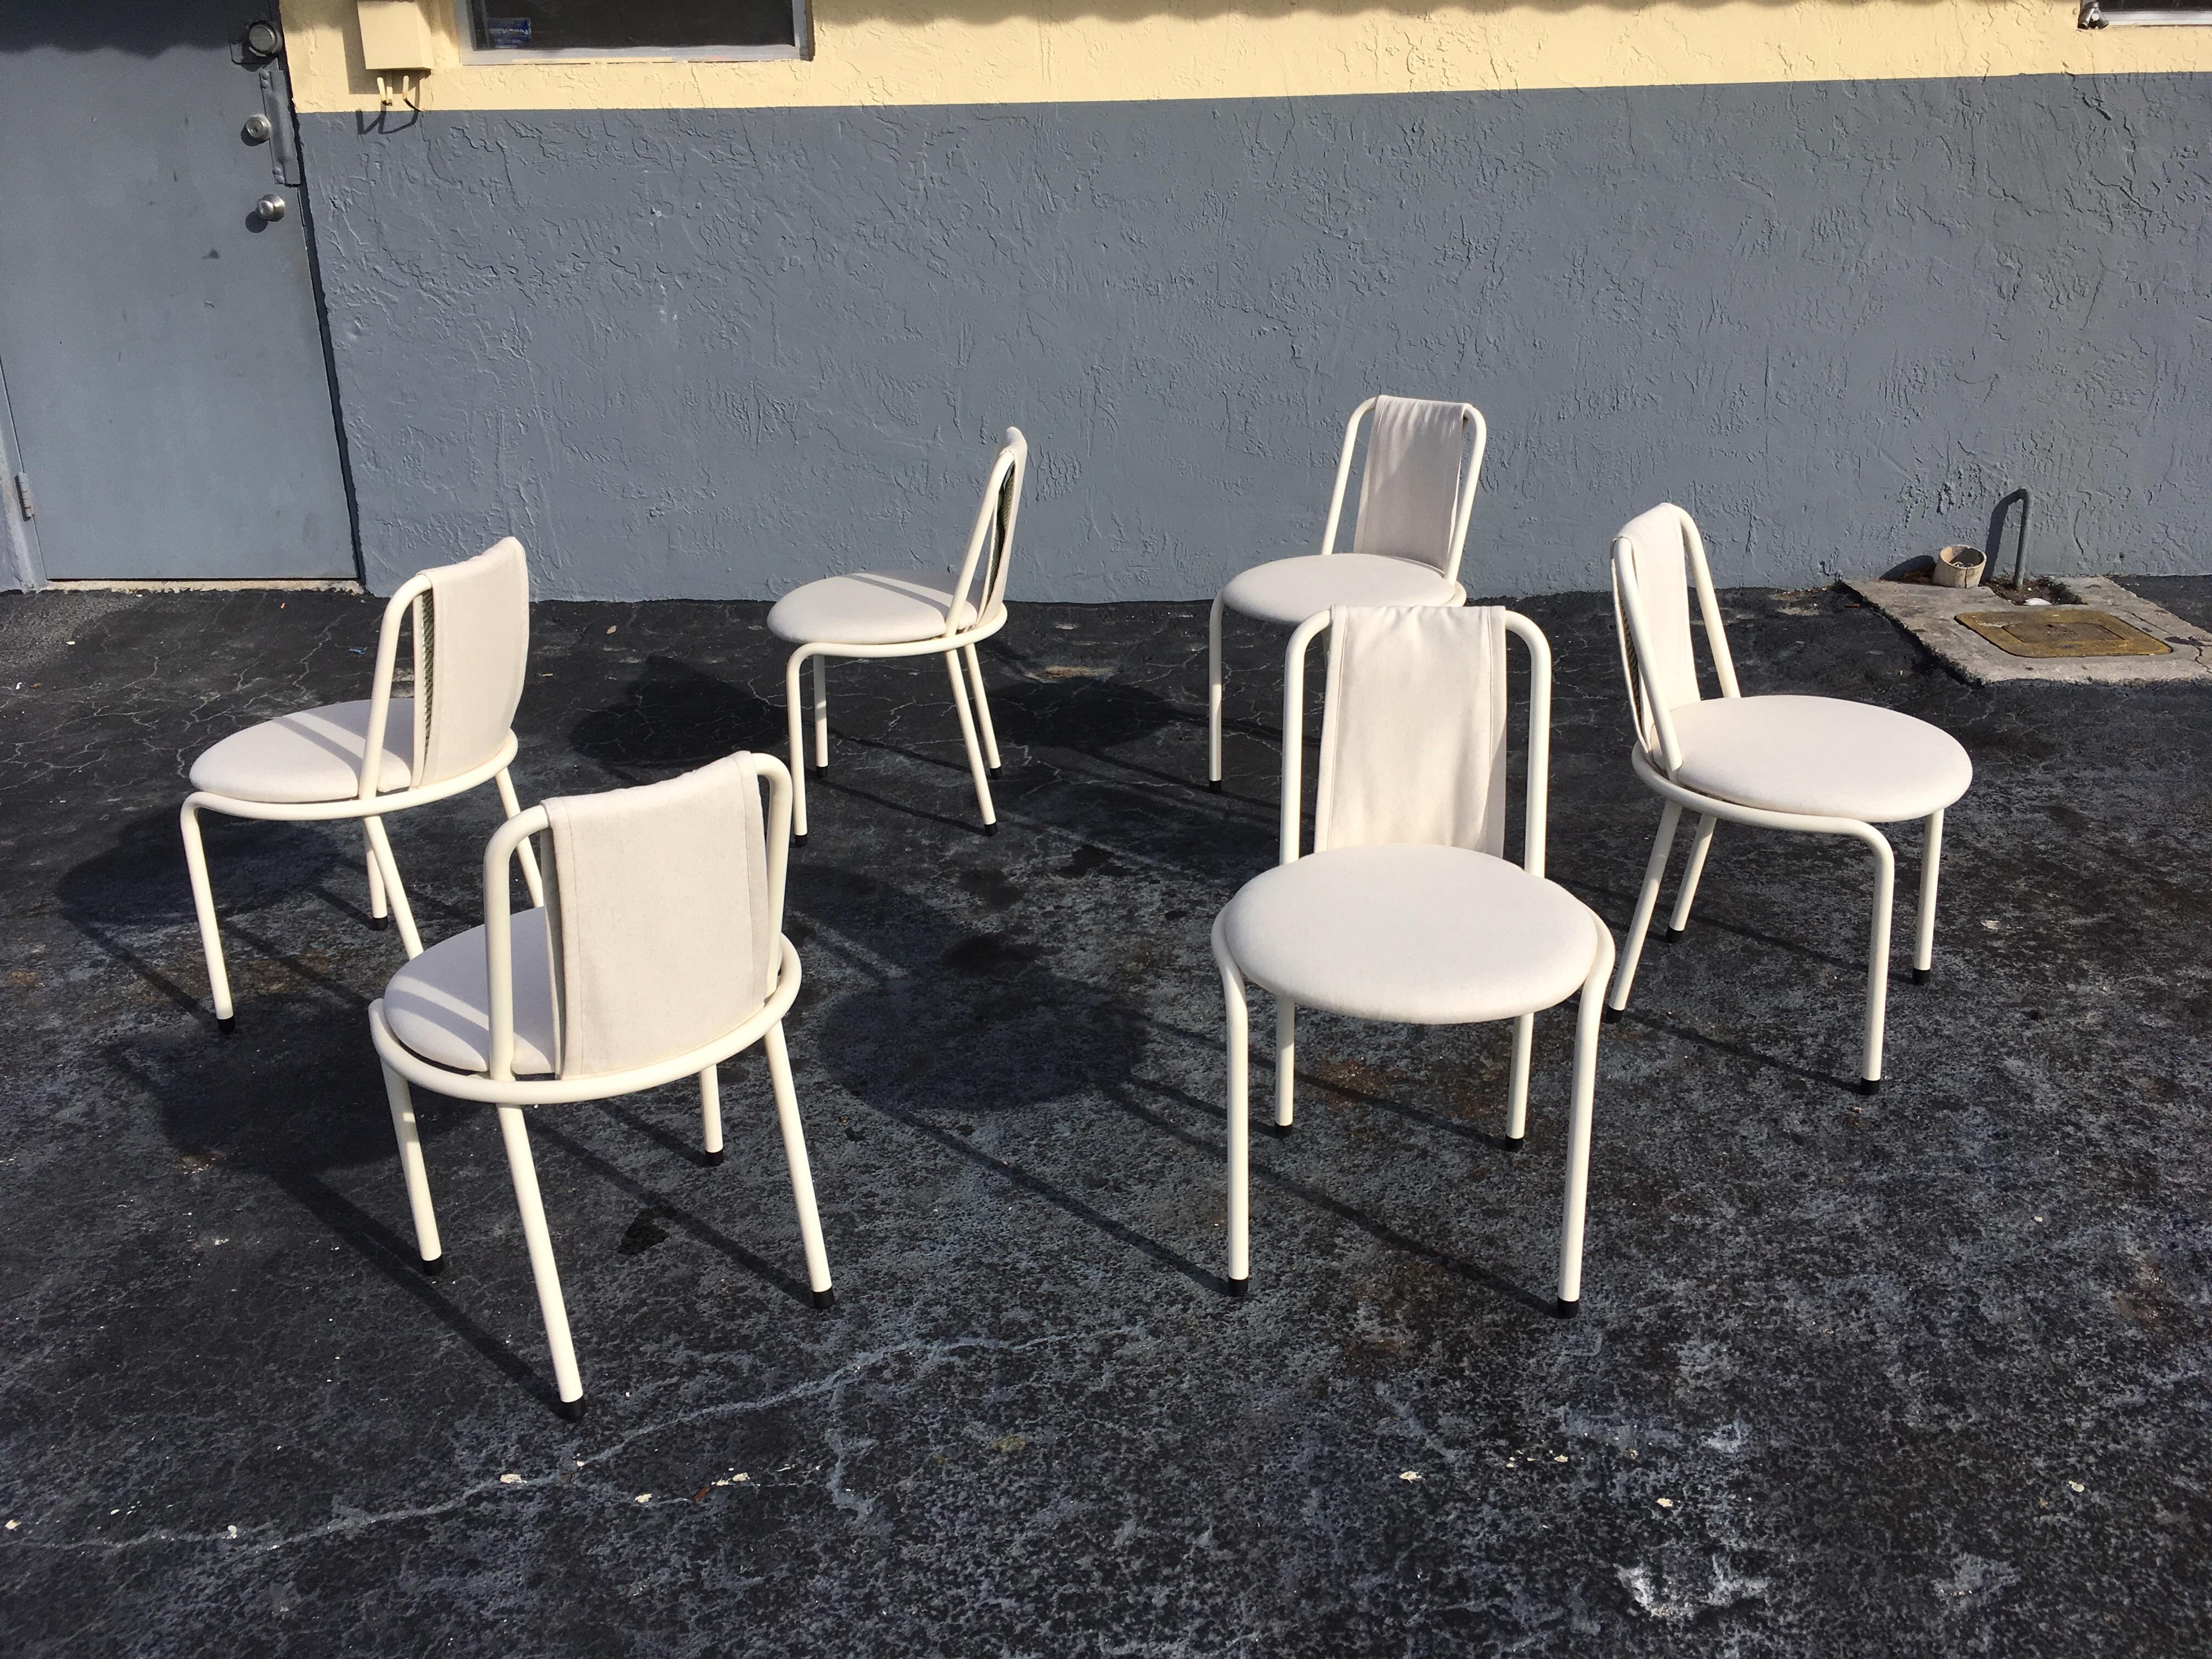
(1235, 984)
(497, 1086)
(1463, 514)
(370, 805)
(1655, 732)
(1002, 501)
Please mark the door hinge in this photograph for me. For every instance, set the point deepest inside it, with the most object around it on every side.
(23, 496)
(277, 106)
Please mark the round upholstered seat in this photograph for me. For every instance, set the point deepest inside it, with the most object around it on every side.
(440, 1004)
(313, 755)
(1820, 756)
(1288, 591)
(1423, 934)
(868, 608)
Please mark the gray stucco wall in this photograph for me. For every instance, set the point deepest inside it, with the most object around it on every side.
(714, 354)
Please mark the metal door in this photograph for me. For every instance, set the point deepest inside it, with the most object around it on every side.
(159, 334)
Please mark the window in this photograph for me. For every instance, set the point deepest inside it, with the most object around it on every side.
(2114, 14)
(503, 30)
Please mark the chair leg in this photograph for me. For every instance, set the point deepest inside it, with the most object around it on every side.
(203, 905)
(797, 715)
(975, 752)
(536, 1235)
(1238, 1019)
(1214, 696)
(1654, 870)
(1587, 1021)
(401, 911)
(1516, 1103)
(710, 1114)
(380, 913)
(532, 877)
(821, 713)
(1885, 878)
(411, 1169)
(1699, 847)
(802, 1176)
(983, 709)
(1286, 1063)
(1931, 863)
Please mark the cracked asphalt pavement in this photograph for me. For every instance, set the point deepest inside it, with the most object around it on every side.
(1922, 1373)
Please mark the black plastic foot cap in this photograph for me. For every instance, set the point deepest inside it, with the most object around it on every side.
(379, 923)
(1870, 1085)
(821, 769)
(1214, 784)
(1673, 935)
(227, 1023)
(994, 770)
(1515, 1143)
(712, 1159)
(573, 1409)
(800, 839)
(1282, 1130)
(1563, 1309)
(1922, 975)
(825, 1298)
(990, 829)
(434, 1267)
(1237, 1287)
(1610, 1015)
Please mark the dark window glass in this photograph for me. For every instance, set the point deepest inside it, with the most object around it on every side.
(2102, 14)
(631, 25)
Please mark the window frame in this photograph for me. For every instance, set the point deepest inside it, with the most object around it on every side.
(2095, 14)
(801, 50)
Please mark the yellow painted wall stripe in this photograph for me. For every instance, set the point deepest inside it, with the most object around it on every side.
(888, 53)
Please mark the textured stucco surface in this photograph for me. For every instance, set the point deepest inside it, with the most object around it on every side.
(1918, 1375)
(1010, 52)
(711, 353)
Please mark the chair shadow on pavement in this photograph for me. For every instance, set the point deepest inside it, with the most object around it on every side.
(673, 717)
(967, 1029)
(219, 1106)
(133, 903)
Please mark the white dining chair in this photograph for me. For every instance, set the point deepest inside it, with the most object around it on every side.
(1822, 766)
(659, 954)
(470, 628)
(1407, 910)
(1416, 495)
(910, 613)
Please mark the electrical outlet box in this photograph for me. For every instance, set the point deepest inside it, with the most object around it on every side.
(395, 37)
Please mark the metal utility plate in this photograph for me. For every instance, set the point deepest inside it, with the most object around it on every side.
(1931, 614)
(2063, 630)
